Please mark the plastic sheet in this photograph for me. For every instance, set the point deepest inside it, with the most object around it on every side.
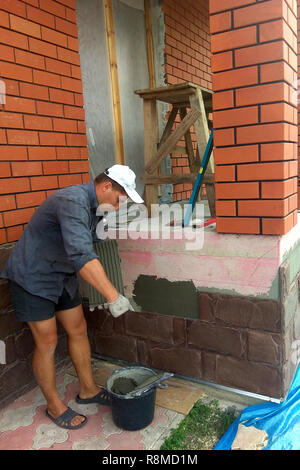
(281, 421)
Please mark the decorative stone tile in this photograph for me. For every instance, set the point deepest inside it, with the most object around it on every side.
(13, 419)
(93, 443)
(48, 434)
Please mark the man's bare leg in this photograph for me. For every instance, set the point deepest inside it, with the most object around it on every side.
(45, 336)
(74, 324)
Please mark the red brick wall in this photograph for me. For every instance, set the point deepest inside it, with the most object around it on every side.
(43, 143)
(187, 59)
(254, 64)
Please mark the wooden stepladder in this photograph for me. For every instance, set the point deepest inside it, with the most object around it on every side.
(193, 104)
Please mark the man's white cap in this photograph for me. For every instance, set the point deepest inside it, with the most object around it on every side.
(126, 178)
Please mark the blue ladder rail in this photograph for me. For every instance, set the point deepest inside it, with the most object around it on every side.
(199, 180)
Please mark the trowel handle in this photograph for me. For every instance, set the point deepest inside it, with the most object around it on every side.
(155, 383)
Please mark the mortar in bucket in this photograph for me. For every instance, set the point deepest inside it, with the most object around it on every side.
(133, 391)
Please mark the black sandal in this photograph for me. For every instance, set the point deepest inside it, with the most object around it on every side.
(102, 398)
(64, 420)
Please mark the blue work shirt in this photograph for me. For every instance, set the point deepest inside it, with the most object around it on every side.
(56, 244)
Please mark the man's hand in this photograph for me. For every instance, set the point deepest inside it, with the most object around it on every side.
(120, 306)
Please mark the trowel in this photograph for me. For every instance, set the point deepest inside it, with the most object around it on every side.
(149, 383)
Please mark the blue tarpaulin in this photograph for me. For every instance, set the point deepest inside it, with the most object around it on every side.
(281, 421)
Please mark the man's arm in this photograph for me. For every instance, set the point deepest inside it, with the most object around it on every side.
(93, 273)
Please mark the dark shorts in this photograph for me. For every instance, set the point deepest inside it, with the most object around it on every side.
(29, 307)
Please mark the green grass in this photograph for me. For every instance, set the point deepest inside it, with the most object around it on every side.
(201, 429)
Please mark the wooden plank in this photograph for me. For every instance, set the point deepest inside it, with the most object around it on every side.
(149, 39)
(172, 140)
(189, 145)
(175, 179)
(150, 143)
(112, 54)
(169, 126)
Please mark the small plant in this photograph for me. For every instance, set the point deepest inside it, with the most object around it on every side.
(201, 428)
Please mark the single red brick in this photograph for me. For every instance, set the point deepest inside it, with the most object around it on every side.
(13, 39)
(263, 208)
(278, 151)
(274, 51)
(278, 226)
(237, 190)
(7, 203)
(52, 138)
(68, 56)
(281, 70)
(14, 233)
(11, 153)
(225, 208)
(21, 137)
(278, 189)
(223, 137)
(222, 61)
(14, 185)
(263, 171)
(30, 199)
(7, 53)
(66, 27)
(238, 225)
(64, 125)
(55, 168)
(220, 22)
(235, 117)
(38, 123)
(43, 182)
(68, 153)
(26, 168)
(235, 78)
(61, 96)
(16, 71)
(215, 5)
(29, 59)
(42, 153)
(4, 19)
(223, 99)
(41, 17)
(54, 37)
(34, 91)
(49, 109)
(5, 169)
(17, 217)
(243, 154)
(53, 7)
(58, 67)
(262, 133)
(16, 7)
(224, 173)
(74, 112)
(46, 78)
(79, 166)
(69, 180)
(258, 13)
(262, 94)
(3, 139)
(25, 27)
(42, 47)
(13, 120)
(71, 84)
(233, 39)
(76, 140)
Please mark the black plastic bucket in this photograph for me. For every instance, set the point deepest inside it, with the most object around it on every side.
(132, 413)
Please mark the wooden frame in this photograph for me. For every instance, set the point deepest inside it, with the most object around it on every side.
(181, 97)
(113, 66)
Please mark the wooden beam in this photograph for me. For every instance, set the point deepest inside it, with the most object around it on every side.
(172, 140)
(112, 55)
(189, 145)
(150, 142)
(169, 126)
(150, 53)
(174, 179)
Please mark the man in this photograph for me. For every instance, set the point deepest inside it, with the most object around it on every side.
(56, 245)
